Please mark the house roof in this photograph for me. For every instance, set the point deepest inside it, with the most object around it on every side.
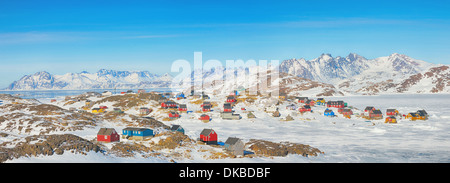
(390, 110)
(328, 110)
(232, 140)
(227, 106)
(206, 107)
(368, 108)
(183, 106)
(376, 112)
(105, 131)
(206, 132)
(175, 127)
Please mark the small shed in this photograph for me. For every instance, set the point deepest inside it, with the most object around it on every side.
(209, 136)
(231, 99)
(206, 108)
(108, 135)
(235, 146)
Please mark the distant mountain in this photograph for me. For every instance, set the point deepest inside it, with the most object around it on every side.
(100, 80)
(323, 76)
(355, 74)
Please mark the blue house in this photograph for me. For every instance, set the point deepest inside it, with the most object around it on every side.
(177, 128)
(180, 95)
(137, 133)
(328, 112)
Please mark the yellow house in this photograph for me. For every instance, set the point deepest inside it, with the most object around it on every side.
(97, 110)
(415, 116)
(321, 100)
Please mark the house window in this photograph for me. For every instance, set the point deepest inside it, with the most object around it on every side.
(106, 136)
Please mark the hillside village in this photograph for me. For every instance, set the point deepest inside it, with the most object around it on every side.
(152, 124)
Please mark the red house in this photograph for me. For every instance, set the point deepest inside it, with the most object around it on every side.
(182, 108)
(206, 108)
(305, 108)
(347, 112)
(108, 135)
(227, 107)
(173, 115)
(209, 136)
(391, 112)
(103, 107)
(231, 99)
(302, 99)
(204, 118)
(168, 104)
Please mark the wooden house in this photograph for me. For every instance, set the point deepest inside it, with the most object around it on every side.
(227, 107)
(174, 115)
(137, 133)
(390, 119)
(230, 116)
(391, 112)
(209, 136)
(103, 107)
(235, 146)
(320, 101)
(205, 118)
(301, 99)
(310, 102)
(305, 108)
(180, 96)
(169, 104)
(182, 108)
(144, 111)
(177, 128)
(97, 110)
(53, 100)
(231, 99)
(107, 135)
(376, 114)
(206, 104)
(336, 104)
(415, 116)
(347, 112)
(141, 91)
(206, 108)
(328, 112)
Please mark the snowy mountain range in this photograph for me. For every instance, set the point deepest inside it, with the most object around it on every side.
(354, 74)
(322, 76)
(102, 79)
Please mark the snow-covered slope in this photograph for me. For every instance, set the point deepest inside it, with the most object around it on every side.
(84, 80)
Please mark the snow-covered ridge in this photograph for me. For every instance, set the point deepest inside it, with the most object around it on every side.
(84, 80)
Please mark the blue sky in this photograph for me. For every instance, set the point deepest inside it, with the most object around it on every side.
(75, 36)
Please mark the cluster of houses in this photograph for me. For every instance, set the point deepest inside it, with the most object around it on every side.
(233, 145)
(370, 112)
